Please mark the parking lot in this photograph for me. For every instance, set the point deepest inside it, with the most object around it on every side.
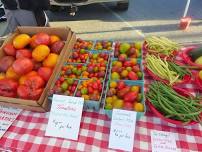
(144, 17)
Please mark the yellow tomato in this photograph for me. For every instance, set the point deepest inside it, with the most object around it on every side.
(40, 52)
(20, 41)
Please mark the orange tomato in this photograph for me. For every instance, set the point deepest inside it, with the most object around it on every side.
(139, 107)
(40, 52)
(51, 60)
(22, 80)
(21, 41)
(85, 73)
(54, 38)
(10, 73)
(2, 75)
(32, 73)
(24, 77)
(32, 41)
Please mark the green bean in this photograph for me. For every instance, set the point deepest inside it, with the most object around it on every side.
(161, 45)
(172, 105)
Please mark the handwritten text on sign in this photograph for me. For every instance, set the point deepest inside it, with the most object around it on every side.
(163, 141)
(122, 130)
(65, 117)
(7, 117)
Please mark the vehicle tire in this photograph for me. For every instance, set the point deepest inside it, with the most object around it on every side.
(122, 5)
(54, 8)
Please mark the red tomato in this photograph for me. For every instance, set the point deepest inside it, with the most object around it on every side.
(25, 92)
(37, 65)
(8, 88)
(34, 82)
(42, 38)
(23, 53)
(57, 47)
(130, 97)
(121, 85)
(45, 73)
(9, 49)
(22, 66)
(132, 75)
(128, 106)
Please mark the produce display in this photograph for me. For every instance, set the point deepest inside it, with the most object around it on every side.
(123, 96)
(103, 45)
(90, 89)
(161, 45)
(79, 56)
(166, 70)
(128, 50)
(126, 69)
(174, 104)
(28, 64)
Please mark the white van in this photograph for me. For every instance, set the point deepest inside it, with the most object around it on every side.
(120, 4)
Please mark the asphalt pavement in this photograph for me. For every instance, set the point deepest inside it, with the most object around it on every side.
(144, 17)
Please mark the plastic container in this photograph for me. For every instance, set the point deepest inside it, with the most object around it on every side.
(50, 96)
(91, 104)
(87, 48)
(139, 61)
(131, 43)
(104, 50)
(176, 122)
(107, 66)
(69, 62)
(129, 83)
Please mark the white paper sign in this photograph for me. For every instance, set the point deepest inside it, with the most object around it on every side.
(122, 130)
(65, 117)
(163, 141)
(7, 117)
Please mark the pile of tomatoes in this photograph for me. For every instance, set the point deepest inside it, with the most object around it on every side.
(28, 64)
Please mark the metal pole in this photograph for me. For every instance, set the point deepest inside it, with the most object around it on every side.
(186, 8)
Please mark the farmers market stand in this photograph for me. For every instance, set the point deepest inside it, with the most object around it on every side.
(27, 133)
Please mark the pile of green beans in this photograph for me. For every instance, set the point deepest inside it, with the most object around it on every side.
(173, 105)
(161, 45)
(165, 69)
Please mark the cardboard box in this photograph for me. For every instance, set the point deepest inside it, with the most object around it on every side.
(42, 104)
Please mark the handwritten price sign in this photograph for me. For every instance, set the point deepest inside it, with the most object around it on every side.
(122, 130)
(65, 117)
(7, 117)
(163, 141)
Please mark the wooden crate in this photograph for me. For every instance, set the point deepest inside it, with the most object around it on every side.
(41, 105)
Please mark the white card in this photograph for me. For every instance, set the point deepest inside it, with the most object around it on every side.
(163, 141)
(122, 130)
(65, 117)
(7, 117)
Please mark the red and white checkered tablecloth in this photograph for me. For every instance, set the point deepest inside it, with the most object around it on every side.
(27, 133)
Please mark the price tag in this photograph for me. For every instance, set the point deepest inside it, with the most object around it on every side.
(65, 117)
(7, 117)
(122, 130)
(163, 141)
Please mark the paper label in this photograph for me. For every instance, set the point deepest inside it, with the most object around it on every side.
(163, 141)
(7, 117)
(65, 117)
(122, 130)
